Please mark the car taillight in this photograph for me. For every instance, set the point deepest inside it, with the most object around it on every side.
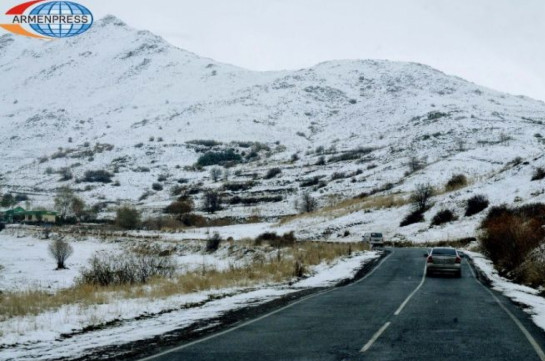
(430, 259)
(458, 259)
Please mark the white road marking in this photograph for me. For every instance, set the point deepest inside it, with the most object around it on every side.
(259, 318)
(523, 329)
(398, 311)
(375, 337)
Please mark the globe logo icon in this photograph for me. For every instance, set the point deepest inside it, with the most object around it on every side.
(67, 25)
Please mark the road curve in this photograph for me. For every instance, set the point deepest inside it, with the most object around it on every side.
(393, 314)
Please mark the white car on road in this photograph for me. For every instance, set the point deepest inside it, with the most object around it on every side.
(375, 239)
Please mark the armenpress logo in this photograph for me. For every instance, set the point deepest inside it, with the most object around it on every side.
(49, 20)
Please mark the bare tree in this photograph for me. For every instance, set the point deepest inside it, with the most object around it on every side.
(215, 173)
(460, 145)
(66, 174)
(46, 232)
(421, 196)
(212, 202)
(307, 203)
(68, 204)
(63, 201)
(504, 138)
(226, 174)
(415, 164)
(78, 207)
(60, 250)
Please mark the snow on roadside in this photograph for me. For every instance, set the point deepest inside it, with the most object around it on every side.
(327, 275)
(135, 330)
(40, 337)
(518, 293)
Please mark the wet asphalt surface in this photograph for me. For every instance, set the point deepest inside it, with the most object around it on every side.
(448, 318)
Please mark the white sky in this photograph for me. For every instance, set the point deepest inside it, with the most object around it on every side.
(496, 43)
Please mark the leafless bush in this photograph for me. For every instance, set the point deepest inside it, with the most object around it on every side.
(110, 269)
(273, 172)
(213, 243)
(299, 268)
(66, 174)
(212, 202)
(215, 174)
(416, 164)
(274, 240)
(179, 207)
(443, 216)
(415, 216)
(539, 174)
(321, 160)
(461, 145)
(157, 187)
(60, 250)
(421, 197)
(307, 203)
(127, 218)
(161, 223)
(97, 176)
(510, 235)
(457, 181)
(476, 204)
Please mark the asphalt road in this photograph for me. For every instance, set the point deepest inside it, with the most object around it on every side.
(392, 314)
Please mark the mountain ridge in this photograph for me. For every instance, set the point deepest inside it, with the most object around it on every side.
(121, 93)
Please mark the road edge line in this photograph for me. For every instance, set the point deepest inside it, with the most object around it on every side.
(517, 322)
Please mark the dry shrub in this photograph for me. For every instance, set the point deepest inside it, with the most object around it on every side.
(213, 243)
(351, 205)
(421, 197)
(476, 204)
(179, 207)
(539, 174)
(274, 240)
(194, 220)
(293, 262)
(532, 271)
(299, 269)
(457, 181)
(415, 216)
(442, 217)
(161, 223)
(127, 217)
(511, 234)
(107, 269)
(34, 302)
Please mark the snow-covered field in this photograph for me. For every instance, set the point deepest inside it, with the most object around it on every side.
(27, 265)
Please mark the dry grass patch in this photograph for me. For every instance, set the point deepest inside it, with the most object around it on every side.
(353, 205)
(278, 265)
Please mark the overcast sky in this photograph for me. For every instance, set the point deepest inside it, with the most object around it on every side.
(496, 43)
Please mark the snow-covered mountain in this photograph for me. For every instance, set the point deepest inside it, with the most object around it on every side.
(126, 101)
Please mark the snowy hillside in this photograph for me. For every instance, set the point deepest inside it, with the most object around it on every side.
(125, 101)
